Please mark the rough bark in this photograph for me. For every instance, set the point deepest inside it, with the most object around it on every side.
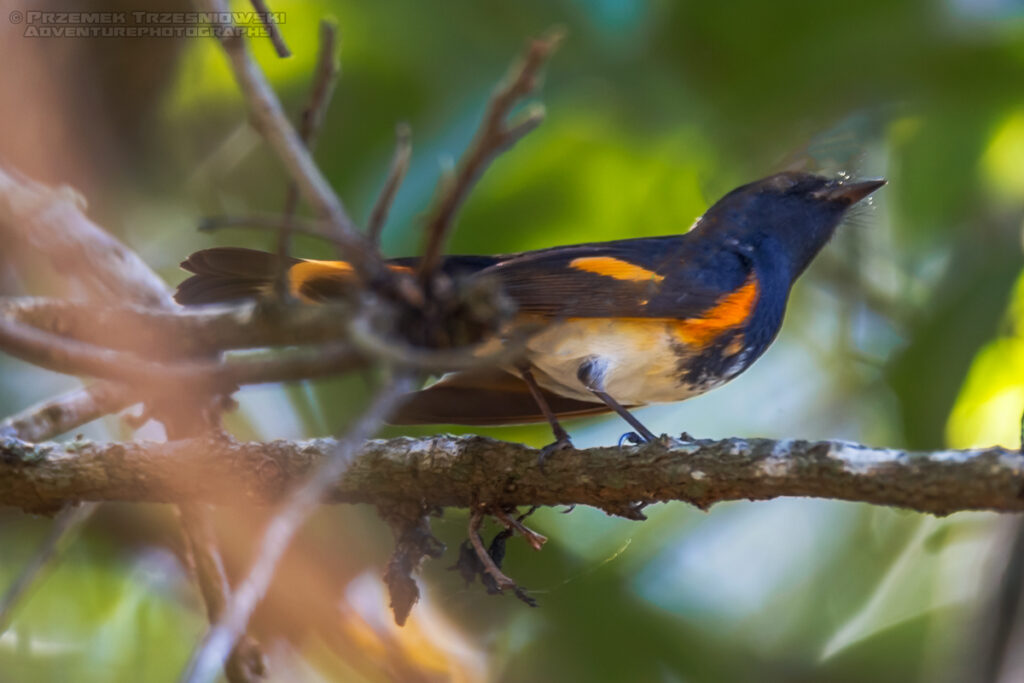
(468, 470)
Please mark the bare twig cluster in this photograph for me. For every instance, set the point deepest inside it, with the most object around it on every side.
(109, 270)
(495, 135)
(148, 350)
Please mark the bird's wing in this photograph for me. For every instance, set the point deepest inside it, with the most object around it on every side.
(660, 277)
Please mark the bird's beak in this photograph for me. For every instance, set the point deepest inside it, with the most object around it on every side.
(849, 193)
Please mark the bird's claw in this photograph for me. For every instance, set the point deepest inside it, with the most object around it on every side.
(633, 438)
(562, 444)
(665, 440)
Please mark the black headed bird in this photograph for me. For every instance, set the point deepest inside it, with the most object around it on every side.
(624, 323)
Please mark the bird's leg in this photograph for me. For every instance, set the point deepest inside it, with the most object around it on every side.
(645, 433)
(591, 374)
(562, 440)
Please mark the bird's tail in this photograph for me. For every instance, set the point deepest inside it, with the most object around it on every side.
(484, 397)
(226, 274)
(229, 273)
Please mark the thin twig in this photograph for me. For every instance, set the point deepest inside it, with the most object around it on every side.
(273, 32)
(195, 331)
(396, 173)
(63, 413)
(73, 357)
(78, 358)
(246, 662)
(500, 578)
(64, 528)
(216, 645)
(494, 135)
(324, 80)
(535, 540)
(271, 221)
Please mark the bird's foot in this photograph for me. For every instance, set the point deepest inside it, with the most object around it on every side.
(634, 511)
(665, 439)
(684, 443)
(633, 438)
(669, 441)
(562, 444)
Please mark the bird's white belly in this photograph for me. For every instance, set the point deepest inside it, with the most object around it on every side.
(640, 359)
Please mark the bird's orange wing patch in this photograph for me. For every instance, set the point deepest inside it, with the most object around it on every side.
(615, 268)
(731, 311)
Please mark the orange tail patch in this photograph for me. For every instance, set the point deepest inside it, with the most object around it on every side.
(314, 280)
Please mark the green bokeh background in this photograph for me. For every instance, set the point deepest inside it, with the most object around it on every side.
(908, 331)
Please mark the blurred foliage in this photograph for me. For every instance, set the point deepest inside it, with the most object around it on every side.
(908, 331)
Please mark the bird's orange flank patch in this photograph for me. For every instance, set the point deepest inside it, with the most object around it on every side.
(615, 268)
(732, 310)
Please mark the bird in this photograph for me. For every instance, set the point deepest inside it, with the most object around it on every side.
(616, 325)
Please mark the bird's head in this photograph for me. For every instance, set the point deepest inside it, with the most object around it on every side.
(784, 220)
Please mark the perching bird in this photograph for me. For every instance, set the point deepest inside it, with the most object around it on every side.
(625, 323)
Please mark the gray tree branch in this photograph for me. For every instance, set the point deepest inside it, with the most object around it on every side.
(463, 471)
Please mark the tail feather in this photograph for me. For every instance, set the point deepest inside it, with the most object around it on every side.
(233, 261)
(226, 274)
(484, 397)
